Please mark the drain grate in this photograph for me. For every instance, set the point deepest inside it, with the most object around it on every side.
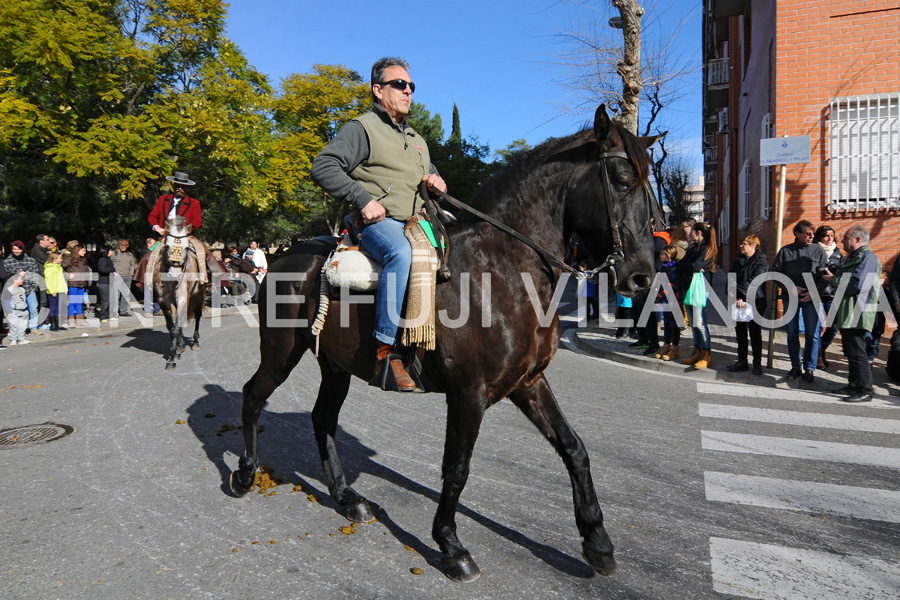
(32, 435)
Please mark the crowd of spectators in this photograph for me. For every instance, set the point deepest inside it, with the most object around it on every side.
(813, 275)
(53, 288)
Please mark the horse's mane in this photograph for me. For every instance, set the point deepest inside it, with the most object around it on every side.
(566, 152)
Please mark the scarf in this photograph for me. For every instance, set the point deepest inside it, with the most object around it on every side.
(829, 249)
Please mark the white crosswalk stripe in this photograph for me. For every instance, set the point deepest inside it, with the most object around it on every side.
(751, 391)
(754, 570)
(808, 496)
(806, 449)
(792, 417)
(778, 573)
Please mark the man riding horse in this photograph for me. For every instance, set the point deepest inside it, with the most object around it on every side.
(376, 163)
(178, 204)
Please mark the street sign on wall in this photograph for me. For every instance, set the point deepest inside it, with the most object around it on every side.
(784, 150)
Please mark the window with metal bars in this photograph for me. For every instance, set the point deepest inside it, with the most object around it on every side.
(864, 166)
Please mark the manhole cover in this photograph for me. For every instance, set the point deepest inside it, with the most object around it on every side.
(32, 435)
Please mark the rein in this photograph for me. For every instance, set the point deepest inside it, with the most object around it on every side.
(617, 254)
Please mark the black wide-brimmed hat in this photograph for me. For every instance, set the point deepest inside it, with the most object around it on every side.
(180, 178)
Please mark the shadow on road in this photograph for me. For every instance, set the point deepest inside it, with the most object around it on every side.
(215, 420)
(149, 340)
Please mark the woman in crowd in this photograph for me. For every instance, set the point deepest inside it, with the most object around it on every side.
(700, 258)
(105, 268)
(749, 264)
(825, 238)
(78, 275)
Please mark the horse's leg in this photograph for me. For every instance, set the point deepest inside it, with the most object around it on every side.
(172, 356)
(198, 313)
(464, 415)
(278, 357)
(332, 393)
(537, 402)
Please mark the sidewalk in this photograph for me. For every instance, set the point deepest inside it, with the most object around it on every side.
(94, 328)
(598, 339)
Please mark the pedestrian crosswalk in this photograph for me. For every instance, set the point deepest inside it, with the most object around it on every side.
(753, 570)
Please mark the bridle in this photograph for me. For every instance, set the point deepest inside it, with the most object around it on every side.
(175, 254)
(618, 252)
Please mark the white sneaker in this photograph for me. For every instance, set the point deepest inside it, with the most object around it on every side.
(24, 342)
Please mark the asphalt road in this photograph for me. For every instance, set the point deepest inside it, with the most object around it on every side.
(700, 497)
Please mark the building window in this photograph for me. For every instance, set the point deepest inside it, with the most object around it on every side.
(864, 166)
(744, 196)
(724, 233)
(765, 173)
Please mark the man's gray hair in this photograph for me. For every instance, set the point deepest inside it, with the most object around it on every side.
(388, 61)
(858, 231)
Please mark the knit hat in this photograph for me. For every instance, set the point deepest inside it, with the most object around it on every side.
(19, 244)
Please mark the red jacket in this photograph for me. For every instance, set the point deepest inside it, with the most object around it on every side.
(189, 208)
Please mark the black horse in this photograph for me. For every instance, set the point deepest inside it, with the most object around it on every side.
(591, 183)
(177, 285)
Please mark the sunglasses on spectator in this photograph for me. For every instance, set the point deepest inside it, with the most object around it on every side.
(400, 85)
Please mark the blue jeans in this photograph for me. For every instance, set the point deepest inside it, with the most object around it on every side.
(386, 243)
(809, 312)
(827, 334)
(699, 326)
(76, 301)
(31, 300)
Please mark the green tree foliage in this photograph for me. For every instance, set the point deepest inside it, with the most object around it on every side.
(429, 127)
(101, 99)
(461, 162)
(505, 155)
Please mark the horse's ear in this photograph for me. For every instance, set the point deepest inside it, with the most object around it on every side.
(602, 123)
(649, 140)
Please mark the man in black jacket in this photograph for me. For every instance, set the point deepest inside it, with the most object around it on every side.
(802, 262)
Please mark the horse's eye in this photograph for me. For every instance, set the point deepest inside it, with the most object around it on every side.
(625, 183)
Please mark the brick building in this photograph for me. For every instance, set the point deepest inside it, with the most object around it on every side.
(822, 68)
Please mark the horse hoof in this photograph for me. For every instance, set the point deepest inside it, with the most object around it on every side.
(237, 487)
(602, 563)
(462, 569)
(360, 512)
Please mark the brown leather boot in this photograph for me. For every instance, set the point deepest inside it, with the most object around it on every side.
(405, 383)
(71, 322)
(697, 355)
(704, 361)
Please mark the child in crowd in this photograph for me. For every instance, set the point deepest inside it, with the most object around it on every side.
(590, 292)
(56, 285)
(623, 313)
(671, 331)
(18, 314)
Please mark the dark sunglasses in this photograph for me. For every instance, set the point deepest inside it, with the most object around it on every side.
(400, 85)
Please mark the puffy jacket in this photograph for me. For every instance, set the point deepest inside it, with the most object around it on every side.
(77, 275)
(56, 281)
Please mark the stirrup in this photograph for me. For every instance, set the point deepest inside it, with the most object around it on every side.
(384, 375)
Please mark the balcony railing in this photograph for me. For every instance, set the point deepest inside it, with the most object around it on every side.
(717, 72)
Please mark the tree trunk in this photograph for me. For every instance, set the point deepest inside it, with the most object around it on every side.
(629, 68)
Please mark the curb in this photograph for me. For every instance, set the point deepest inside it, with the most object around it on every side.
(591, 342)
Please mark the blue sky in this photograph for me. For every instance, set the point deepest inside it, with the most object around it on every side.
(493, 58)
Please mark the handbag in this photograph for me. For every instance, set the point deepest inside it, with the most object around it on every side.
(742, 314)
(696, 293)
